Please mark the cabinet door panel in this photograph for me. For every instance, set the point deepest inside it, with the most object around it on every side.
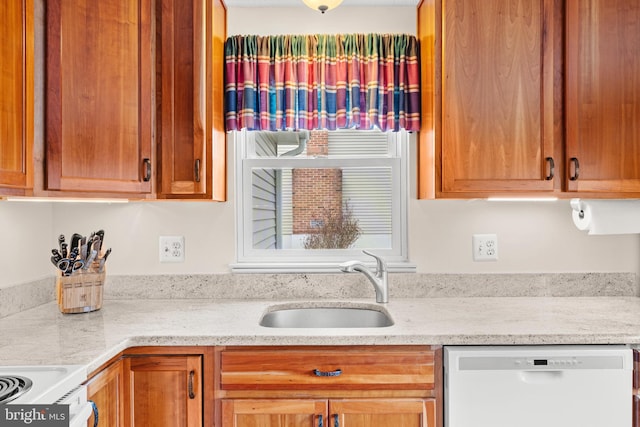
(499, 95)
(159, 391)
(99, 79)
(273, 413)
(16, 95)
(106, 391)
(183, 106)
(387, 413)
(603, 95)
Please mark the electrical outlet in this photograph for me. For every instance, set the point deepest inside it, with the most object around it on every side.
(171, 248)
(485, 247)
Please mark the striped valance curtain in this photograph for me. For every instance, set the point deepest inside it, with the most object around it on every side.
(361, 81)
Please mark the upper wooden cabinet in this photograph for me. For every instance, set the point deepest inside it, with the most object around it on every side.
(530, 97)
(16, 97)
(99, 96)
(134, 98)
(497, 94)
(603, 96)
(190, 129)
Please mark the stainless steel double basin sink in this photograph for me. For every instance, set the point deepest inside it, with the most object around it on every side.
(339, 316)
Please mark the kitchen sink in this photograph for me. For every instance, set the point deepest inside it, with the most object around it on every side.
(326, 317)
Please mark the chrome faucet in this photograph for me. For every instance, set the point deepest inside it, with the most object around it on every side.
(378, 279)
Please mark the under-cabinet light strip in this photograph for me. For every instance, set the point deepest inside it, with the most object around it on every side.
(522, 199)
(63, 200)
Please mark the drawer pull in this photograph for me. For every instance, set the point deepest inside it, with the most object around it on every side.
(192, 395)
(336, 420)
(320, 423)
(319, 373)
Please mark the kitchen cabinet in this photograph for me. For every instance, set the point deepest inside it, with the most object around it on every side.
(134, 99)
(16, 99)
(492, 92)
(190, 127)
(636, 388)
(164, 390)
(105, 389)
(346, 386)
(603, 97)
(99, 97)
(513, 107)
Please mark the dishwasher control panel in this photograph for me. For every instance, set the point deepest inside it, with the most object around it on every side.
(538, 362)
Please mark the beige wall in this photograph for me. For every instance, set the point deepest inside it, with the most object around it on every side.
(532, 237)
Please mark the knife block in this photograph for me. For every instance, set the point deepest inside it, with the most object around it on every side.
(81, 292)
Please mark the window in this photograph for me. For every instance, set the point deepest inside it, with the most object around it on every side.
(308, 200)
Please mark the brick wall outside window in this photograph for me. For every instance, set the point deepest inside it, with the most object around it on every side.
(316, 192)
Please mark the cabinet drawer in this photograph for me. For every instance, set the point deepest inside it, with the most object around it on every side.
(328, 368)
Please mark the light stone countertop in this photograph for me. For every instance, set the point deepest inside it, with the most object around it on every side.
(44, 336)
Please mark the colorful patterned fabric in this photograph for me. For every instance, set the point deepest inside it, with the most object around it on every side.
(362, 81)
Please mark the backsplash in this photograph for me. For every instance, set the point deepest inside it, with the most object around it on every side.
(333, 286)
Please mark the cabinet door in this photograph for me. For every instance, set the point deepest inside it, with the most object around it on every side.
(16, 96)
(105, 390)
(191, 34)
(164, 391)
(182, 114)
(603, 96)
(274, 413)
(382, 413)
(99, 96)
(500, 96)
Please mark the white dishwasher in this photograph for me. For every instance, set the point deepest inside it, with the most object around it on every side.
(538, 386)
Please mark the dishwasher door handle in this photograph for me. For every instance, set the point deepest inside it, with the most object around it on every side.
(540, 377)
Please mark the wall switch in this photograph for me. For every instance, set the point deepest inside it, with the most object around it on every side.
(485, 247)
(171, 248)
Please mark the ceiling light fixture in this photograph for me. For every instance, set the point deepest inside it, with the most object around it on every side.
(322, 5)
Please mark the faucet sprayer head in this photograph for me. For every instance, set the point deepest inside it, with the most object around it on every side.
(349, 266)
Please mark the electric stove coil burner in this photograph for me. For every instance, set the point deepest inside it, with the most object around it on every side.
(12, 386)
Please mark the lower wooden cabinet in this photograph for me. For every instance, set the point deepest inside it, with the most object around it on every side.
(270, 386)
(163, 391)
(330, 386)
(636, 388)
(106, 390)
(333, 412)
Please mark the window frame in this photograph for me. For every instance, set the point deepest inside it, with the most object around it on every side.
(249, 259)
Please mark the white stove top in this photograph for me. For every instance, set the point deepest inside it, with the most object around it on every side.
(49, 382)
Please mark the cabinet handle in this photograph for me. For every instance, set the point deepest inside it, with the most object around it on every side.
(320, 422)
(192, 395)
(197, 170)
(94, 407)
(146, 164)
(336, 420)
(552, 168)
(335, 373)
(576, 169)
